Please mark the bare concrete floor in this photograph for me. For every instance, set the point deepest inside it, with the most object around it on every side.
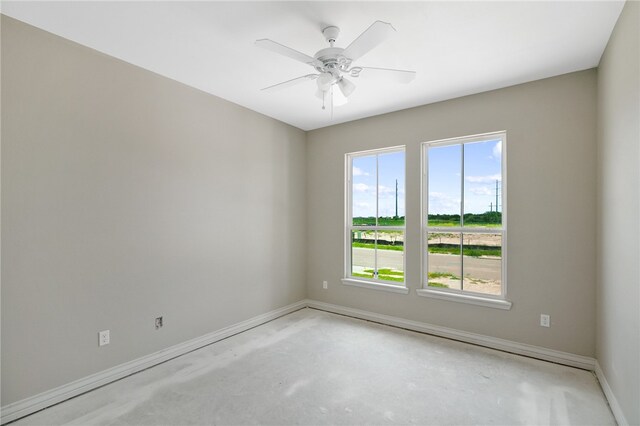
(316, 368)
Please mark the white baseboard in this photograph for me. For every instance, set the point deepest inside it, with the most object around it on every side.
(464, 336)
(613, 402)
(45, 399)
(35, 403)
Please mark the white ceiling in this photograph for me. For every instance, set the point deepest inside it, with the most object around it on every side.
(457, 48)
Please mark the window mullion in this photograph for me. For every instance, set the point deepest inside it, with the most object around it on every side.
(375, 247)
(462, 217)
(424, 218)
(462, 185)
(349, 252)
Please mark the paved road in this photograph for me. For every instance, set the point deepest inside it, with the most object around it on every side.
(483, 268)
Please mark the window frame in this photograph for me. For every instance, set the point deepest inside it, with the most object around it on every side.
(372, 283)
(490, 300)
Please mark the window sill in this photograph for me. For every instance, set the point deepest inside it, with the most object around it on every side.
(465, 298)
(375, 286)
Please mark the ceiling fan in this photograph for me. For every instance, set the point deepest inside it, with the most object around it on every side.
(333, 64)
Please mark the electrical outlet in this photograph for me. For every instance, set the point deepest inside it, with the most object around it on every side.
(158, 323)
(103, 338)
(545, 320)
(325, 285)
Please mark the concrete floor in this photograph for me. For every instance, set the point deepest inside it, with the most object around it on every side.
(312, 367)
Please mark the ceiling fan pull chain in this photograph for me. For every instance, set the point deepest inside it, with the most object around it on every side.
(331, 101)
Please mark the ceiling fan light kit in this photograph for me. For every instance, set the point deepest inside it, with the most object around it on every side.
(346, 86)
(333, 63)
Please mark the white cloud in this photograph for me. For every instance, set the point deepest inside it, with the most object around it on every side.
(359, 172)
(383, 189)
(483, 179)
(497, 150)
(443, 203)
(482, 190)
(361, 187)
(364, 197)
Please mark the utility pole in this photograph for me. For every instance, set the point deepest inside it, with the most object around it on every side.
(496, 195)
(491, 207)
(396, 198)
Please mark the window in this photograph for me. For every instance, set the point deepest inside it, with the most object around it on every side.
(464, 216)
(375, 231)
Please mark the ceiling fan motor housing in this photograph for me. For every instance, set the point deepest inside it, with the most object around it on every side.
(331, 34)
(332, 60)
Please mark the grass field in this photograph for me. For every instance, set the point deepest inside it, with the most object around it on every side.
(450, 224)
(482, 220)
(435, 275)
(383, 274)
(382, 221)
(398, 276)
(380, 246)
(473, 252)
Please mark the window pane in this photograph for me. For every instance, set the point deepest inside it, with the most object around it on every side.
(444, 260)
(391, 189)
(363, 253)
(483, 183)
(391, 256)
(444, 166)
(482, 262)
(363, 173)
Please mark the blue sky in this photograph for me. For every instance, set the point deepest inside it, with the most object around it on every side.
(482, 163)
(482, 169)
(391, 167)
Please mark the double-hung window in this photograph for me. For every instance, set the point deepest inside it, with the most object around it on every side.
(464, 217)
(375, 218)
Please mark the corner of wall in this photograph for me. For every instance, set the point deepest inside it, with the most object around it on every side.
(618, 208)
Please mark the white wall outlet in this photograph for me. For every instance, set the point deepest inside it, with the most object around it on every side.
(103, 338)
(545, 320)
(325, 285)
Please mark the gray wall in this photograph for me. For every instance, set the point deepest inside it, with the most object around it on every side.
(618, 313)
(127, 196)
(551, 149)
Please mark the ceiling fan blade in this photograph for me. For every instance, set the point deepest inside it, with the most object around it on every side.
(291, 82)
(271, 45)
(370, 38)
(400, 76)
